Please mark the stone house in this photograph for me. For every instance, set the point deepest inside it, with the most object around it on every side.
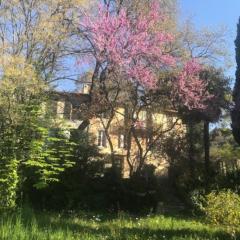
(66, 106)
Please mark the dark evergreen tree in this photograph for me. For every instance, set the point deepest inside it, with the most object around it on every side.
(218, 86)
(235, 113)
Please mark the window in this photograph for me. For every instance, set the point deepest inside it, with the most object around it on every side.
(140, 119)
(60, 108)
(121, 141)
(143, 116)
(75, 114)
(68, 110)
(102, 141)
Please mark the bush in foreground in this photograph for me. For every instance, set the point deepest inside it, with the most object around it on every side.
(223, 208)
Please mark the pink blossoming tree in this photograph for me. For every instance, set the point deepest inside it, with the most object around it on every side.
(135, 47)
(190, 89)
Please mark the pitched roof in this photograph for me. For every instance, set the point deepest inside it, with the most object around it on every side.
(76, 99)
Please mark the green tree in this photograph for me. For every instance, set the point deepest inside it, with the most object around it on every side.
(219, 86)
(25, 127)
(235, 114)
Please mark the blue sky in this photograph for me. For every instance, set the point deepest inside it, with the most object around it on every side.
(212, 13)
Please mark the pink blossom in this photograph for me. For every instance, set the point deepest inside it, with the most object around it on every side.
(190, 88)
(137, 49)
(132, 45)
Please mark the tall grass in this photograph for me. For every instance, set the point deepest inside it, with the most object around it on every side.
(27, 225)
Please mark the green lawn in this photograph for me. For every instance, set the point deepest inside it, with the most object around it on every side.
(26, 225)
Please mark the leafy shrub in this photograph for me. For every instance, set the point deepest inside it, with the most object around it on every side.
(77, 186)
(197, 200)
(141, 191)
(8, 184)
(223, 208)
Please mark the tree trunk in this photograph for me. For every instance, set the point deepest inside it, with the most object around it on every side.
(191, 150)
(206, 151)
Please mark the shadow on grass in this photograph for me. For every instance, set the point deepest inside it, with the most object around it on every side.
(82, 224)
(111, 230)
(145, 233)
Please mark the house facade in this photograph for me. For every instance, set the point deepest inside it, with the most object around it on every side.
(114, 140)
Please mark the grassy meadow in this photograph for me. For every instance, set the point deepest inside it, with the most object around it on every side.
(27, 225)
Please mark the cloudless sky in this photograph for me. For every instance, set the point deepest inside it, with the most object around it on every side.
(212, 13)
